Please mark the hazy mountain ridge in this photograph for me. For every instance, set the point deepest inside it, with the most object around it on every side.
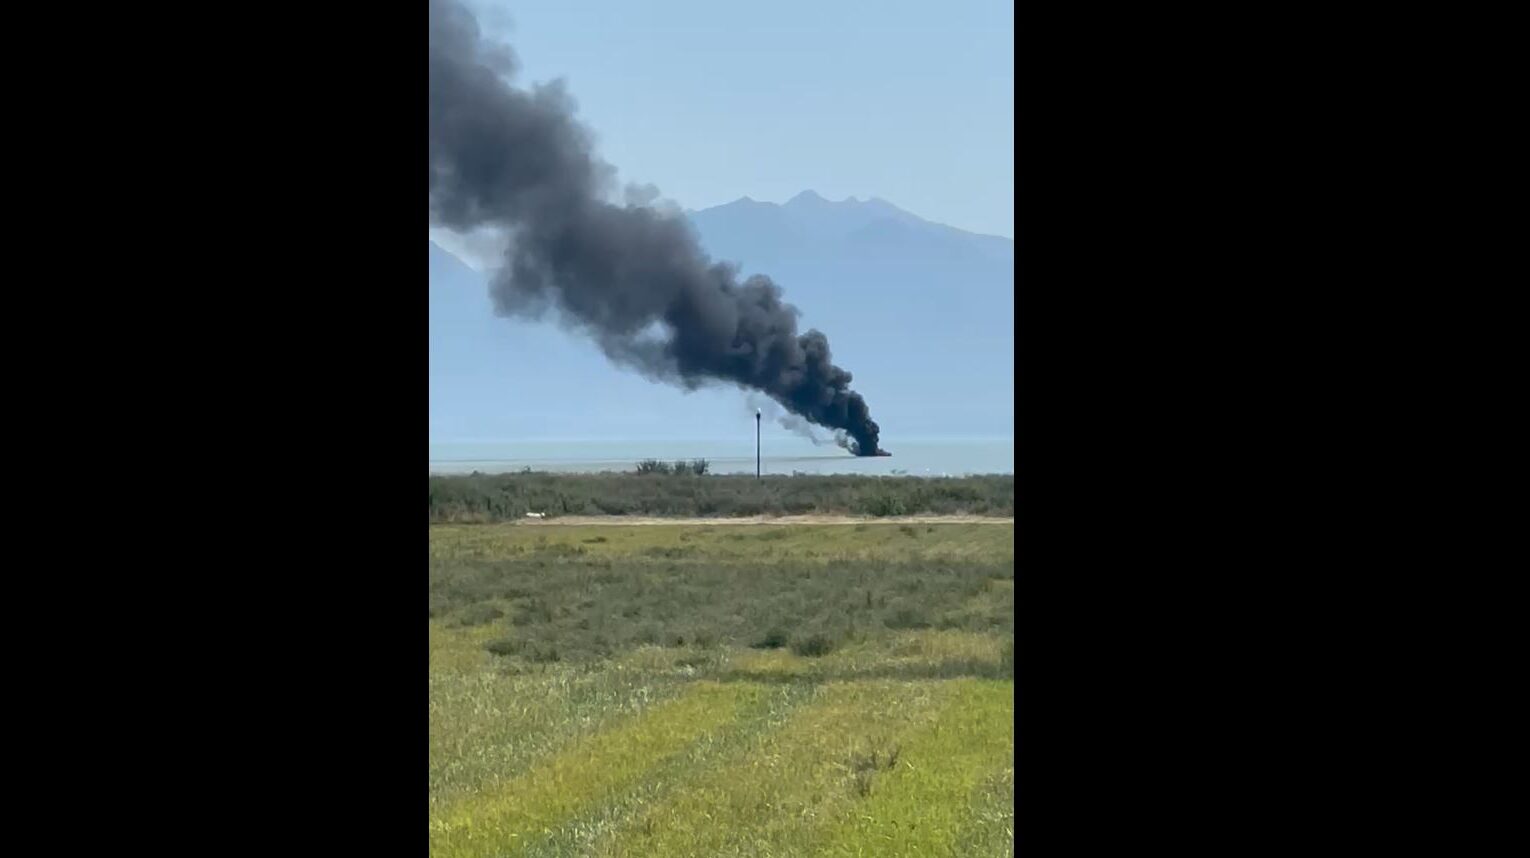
(808, 222)
(920, 312)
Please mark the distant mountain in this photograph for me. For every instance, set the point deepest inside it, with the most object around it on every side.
(809, 223)
(921, 313)
(495, 378)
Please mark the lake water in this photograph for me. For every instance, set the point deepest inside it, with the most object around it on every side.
(929, 457)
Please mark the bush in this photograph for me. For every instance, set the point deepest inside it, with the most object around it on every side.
(477, 615)
(908, 618)
(503, 646)
(503, 497)
(774, 639)
(814, 645)
(533, 612)
(614, 506)
(543, 654)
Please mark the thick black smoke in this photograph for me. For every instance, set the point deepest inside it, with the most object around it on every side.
(632, 277)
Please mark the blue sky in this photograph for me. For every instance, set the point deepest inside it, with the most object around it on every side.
(711, 101)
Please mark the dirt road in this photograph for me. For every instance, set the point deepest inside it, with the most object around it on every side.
(635, 520)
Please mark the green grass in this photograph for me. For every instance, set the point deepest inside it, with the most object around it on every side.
(584, 773)
(479, 498)
(568, 718)
(909, 811)
(565, 597)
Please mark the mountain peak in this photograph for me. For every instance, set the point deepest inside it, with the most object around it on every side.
(810, 211)
(813, 199)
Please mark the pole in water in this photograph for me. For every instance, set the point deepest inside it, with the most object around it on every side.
(757, 443)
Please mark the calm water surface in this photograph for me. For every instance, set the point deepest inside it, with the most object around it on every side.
(953, 457)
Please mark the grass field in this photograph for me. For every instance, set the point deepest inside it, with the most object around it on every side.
(721, 690)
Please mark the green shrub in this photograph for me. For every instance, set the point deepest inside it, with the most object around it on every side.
(773, 639)
(503, 646)
(535, 611)
(477, 615)
(543, 654)
(885, 505)
(476, 498)
(907, 618)
(814, 645)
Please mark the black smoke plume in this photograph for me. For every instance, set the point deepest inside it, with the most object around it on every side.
(629, 275)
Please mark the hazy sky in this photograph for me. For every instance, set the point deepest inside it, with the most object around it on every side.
(711, 101)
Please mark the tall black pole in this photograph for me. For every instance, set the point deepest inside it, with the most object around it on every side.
(757, 443)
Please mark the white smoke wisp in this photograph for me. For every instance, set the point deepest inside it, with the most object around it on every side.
(794, 424)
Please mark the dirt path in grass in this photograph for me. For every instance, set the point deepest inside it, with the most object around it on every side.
(637, 520)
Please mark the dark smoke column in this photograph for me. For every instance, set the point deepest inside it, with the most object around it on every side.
(632, 278)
